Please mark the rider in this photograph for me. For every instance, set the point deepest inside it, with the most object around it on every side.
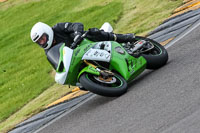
(47, 37)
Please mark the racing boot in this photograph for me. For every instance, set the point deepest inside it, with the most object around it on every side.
(122, 38)
(99, 35)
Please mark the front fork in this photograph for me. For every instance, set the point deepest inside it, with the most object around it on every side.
(90, 64)
(103, 73)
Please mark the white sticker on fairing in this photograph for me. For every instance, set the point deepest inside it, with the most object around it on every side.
(67, 57)
(107, 45)
(97, 54)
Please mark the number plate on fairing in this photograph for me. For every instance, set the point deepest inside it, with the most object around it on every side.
(99, 53)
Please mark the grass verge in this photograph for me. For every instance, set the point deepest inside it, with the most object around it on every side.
(24, 70)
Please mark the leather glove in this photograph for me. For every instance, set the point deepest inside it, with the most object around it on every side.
(77, 39)
(77, 36)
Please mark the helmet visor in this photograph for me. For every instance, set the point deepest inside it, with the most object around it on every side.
(42, 41)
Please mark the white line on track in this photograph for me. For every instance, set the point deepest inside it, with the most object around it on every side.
(194, 26)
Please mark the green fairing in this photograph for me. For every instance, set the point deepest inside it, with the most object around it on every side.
(60, 60)
(89, 69)
(128, 66)
(77, 62)
(123, 63)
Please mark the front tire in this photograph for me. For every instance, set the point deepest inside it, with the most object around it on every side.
(157, 57)
(95, 84)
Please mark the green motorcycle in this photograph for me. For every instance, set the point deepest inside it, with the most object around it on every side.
(106, 67)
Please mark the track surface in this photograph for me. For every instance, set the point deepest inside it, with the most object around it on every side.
(166, 100)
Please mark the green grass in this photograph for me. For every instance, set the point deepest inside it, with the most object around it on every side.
(24, 70)
(142, 16)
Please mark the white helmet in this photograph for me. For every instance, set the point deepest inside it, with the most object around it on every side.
(40, 29)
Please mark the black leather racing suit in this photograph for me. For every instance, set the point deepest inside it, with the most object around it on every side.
(65, 32)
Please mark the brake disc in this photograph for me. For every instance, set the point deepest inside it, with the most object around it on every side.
(109, 80)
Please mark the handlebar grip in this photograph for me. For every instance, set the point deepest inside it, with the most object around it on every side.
(75, 43)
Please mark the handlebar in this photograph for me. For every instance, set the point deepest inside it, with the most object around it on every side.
(76, 42)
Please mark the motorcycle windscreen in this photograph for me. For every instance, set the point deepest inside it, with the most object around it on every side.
(53, 55)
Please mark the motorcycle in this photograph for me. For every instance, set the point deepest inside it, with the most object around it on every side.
(105, 68)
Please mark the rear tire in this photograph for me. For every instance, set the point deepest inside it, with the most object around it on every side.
(157, 57)
(91, 83)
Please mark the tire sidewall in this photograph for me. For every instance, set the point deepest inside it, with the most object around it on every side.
(103, 90)
(155, 61)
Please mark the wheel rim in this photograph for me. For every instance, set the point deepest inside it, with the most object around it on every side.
(156, 50)
(115, 81)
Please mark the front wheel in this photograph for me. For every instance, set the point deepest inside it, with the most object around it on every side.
(111, 87)
(156, 57)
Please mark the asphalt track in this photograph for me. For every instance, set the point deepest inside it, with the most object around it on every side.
(166, 100)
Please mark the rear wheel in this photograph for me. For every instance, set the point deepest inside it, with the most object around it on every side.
(111, 86)
(156, 57)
